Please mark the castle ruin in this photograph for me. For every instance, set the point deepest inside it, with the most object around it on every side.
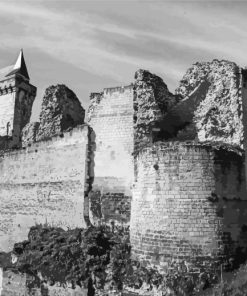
(172, 166)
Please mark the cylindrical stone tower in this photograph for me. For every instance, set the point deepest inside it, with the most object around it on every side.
(175, 214)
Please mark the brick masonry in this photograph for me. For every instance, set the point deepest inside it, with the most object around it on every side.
(110, 207)
(7, 103)
(44, 183)
(16, 100)
(187, 206)
(16, 284)
(189, 200)
(111, 117)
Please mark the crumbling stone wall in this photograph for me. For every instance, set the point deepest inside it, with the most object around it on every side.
(16, 100)
(25, 95)
(44, 183)
(229, 174)
(180, 212)
(124, 119)
(152, 100)
(231, 199)
(111, 117)
(60, 110)
(243, 83)
(29, 133)
(210, 107)
(110, 207)
(212, 102)
(16, 284)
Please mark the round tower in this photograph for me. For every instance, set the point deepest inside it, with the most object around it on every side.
(188, 205)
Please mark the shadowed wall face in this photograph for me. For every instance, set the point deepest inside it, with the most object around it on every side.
(16, 100)
(111, 117)
(244, 105)
(178, 212)
(25, 95)
(43, 183)
(7, 106)
(16, 284)
(123, 119)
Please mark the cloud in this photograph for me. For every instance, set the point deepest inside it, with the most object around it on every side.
(63, 37)
(111, 40)
(24, 9)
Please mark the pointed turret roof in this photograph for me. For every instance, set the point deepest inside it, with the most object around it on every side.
(20, 67)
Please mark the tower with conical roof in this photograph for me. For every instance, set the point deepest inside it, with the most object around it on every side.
(16, 100)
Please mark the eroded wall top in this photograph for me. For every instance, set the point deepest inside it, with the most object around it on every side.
(111, 117)
(60, 110)
(44, 183)
(212, 102)
(152, 100)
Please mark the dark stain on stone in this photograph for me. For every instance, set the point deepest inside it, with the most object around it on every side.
(156, 166)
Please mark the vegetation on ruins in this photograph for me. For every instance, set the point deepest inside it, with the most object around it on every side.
(234, 285)
(99, 258)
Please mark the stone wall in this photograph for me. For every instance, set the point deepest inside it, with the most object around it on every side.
(60, 110)
(16, 284)
(110, 207)
(111, 117)
(16, 100)
(152, 101)
(244, 105)
(7, 106)
(43, 183)
(13, 284)
(123, 119)
(25, 95)
(212, 102)
(180, 211)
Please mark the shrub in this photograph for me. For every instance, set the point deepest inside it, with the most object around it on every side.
(63, 256)
(99, 257)
(236, 285)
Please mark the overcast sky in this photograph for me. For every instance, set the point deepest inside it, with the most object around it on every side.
(89, 45)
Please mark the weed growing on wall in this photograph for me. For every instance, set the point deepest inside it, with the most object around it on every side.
(234, 285)
(63, 256)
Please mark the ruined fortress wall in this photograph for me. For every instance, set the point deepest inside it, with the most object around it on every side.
(244, 106)
(43, 183)
(15, 284)
(229, 175)
(111, 117)
(178, 211)
(230, 191)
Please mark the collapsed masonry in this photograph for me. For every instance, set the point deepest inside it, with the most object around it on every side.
(157, 161)
(46, 180)
(179, 159)
(60, 110)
